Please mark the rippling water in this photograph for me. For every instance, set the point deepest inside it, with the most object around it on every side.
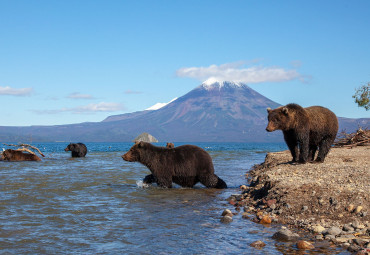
(97, 205)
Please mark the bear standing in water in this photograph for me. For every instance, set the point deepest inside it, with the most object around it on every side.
(305, 130)
(184, 165)
(170, 145)
(78, 149)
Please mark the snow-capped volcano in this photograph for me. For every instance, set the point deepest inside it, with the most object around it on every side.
(213, 83)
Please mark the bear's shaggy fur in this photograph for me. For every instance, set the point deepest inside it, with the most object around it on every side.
(184, 165)
(14, 155)
(78, 149)
(305, 130)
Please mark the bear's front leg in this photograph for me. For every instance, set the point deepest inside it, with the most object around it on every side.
(149, 179)
(304, 148)
(291, 141)
(164, 181)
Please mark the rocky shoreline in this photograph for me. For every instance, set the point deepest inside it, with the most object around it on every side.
(331, 200)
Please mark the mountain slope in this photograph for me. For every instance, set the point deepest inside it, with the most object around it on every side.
(212, 112)
(223, 111)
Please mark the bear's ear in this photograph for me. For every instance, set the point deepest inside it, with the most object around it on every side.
(285, 110)
(269, 110)
(140, 144)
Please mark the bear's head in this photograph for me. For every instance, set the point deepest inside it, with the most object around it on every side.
(170, 145)
(133, 155)
(7, 154)
(279, 119)
(70, 147)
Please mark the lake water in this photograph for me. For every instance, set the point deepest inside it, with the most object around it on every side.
(97, 205)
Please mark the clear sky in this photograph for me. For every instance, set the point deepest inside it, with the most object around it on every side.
(65, 62)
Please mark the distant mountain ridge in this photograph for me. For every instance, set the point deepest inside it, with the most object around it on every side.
(212, 112)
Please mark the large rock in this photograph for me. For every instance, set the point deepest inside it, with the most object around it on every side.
(285, 234)
(335, 231)
(145, 137)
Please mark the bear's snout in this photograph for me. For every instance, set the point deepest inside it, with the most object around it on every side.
(127, 157)
(66, 149)
(269, 129)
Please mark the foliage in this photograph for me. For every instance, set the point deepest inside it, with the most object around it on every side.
(362, 96)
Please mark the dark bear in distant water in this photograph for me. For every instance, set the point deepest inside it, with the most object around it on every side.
(308, 129)
(15, 155)
(78, 149)
(184, 165)
(170, 145)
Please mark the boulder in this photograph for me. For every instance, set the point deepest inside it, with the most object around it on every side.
(285, 234)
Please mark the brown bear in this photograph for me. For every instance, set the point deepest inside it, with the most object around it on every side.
(15, 155)
(308, 129)
(78, 149)
(170, 145)
(184, 165)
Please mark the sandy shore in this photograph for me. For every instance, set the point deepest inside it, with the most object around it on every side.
(331, 199)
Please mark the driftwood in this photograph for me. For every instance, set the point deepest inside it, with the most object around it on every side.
(359, 138)
(24, 148)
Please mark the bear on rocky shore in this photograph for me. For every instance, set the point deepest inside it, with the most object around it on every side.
(184, 165)
(15, 155)
(305, 130)
(77, 149)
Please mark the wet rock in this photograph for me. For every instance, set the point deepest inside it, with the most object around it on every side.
(248, 209)
(259, 214)
(348, 228)
(363, 252)
(345, 245)
(354, 248)
(236, 197)
(319, 237)
(245, 215)
(359, 241)
(226, 219)
(318, 229)
(243, 187)
(342, 239)
(357, 225)
(334, 231)
(258, 244)
(329, 237)
(304, 245)
(285, 234)
(225, 212)
(265, 220)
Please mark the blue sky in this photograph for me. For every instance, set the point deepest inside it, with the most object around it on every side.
(67, 62)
